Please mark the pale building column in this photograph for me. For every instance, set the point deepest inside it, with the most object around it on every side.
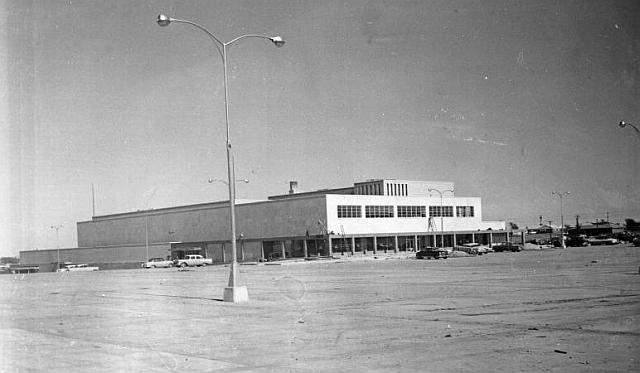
(262, 250)
(375, 245)
(455, 239)
(330, 248)
(284, 251)
(395, 244)
(415, 242)
(224, 256)
(353, 245)
(304, 247)
(491, 239)
(473, 237)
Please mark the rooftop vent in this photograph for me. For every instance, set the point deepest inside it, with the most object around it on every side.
(293, 187)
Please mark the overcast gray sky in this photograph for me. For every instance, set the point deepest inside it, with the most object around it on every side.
(508, 99)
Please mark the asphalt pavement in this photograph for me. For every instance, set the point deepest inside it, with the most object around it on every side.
(563, 310)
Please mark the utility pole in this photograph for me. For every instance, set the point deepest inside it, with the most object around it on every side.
(146, 233)
(93, 199)
(57, 228)
(432, 228)
(561, 195)
(441, 193)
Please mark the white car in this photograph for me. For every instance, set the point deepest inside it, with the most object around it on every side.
(602, 241)
(157, 263)
(193, 261)
(77, 268)
(479, 249)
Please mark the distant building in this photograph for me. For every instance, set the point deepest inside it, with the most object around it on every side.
(368, 217)
(597, 228)
(541, 229)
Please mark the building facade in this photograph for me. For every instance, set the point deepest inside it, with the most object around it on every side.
(371, 216)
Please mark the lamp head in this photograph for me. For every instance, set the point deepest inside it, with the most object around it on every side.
(622, 124)
(277, 40)
(163, 20)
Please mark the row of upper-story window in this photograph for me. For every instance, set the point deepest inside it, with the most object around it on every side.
(371, 189)
(387, 211)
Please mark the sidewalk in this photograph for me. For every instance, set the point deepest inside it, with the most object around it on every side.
(347, 257)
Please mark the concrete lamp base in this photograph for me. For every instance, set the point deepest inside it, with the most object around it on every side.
(237, 294)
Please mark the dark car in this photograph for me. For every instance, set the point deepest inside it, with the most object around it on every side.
(576, 241)
(506, 246)
(432, 252)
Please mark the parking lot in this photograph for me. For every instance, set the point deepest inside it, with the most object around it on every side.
(575, 309)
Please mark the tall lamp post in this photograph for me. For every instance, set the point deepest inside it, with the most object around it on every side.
(57, 228)
(441, 192)
(561, 196)
(211, 181)
(233, 292)
(623, 124)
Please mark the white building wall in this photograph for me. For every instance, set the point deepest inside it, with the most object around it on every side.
(365, 225)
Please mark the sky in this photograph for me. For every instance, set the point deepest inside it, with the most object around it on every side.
(102, 109)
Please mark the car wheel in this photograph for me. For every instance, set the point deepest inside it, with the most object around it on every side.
(183, 265)
(153, 266)
(170, 265)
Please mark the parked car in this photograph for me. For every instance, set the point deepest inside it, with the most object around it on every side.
(192, 261)
(157, 263)
(506, 246)
(576, 241)
(602, 240)
(77, 268)
(478, 248)
(432, 252)
(467, 249)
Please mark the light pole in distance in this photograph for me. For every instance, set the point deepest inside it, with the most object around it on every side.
(561, 196)
(623, 124)
(233, 292)
(441, 192)
(57, 228)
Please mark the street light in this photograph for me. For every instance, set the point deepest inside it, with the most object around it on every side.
(57, 228)
(561, 195)
(246, 181)
(441, 192)
(232, 293)
(623, 124)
